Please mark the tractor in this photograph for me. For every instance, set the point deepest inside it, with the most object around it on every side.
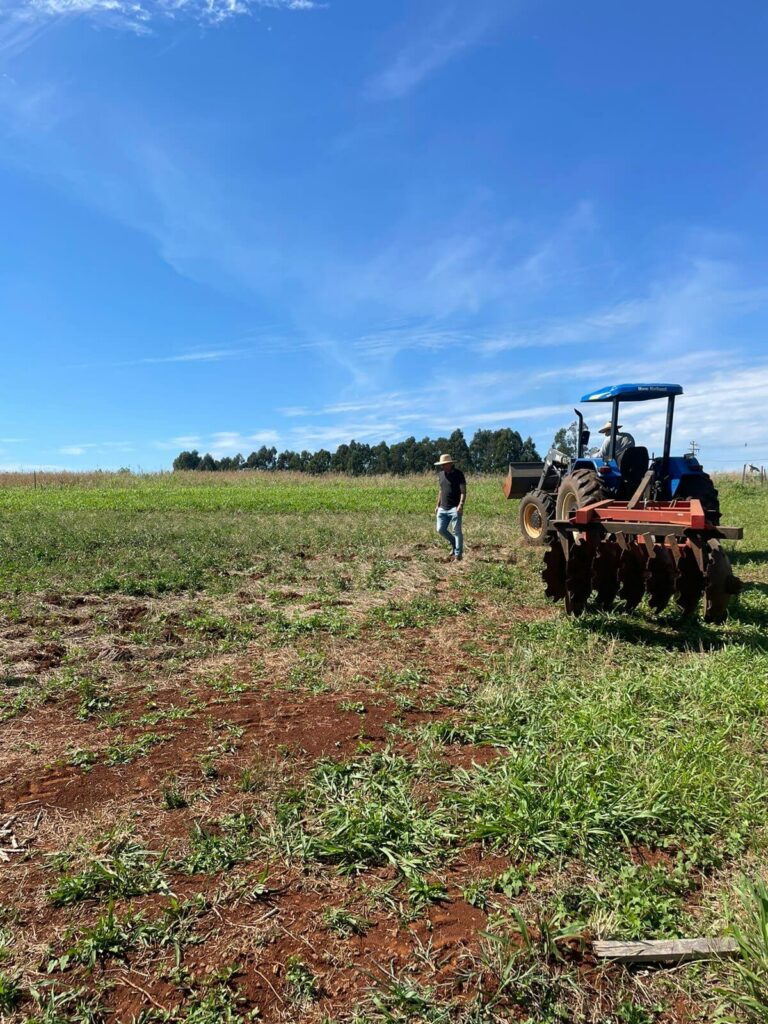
(625, 523)
(552, 489)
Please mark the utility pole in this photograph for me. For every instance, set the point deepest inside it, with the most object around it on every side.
(695, 448)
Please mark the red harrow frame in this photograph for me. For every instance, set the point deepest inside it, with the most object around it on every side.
(624, 549)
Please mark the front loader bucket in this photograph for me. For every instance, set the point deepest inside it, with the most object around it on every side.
(521, 478)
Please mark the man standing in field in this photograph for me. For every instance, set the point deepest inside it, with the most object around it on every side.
(451, 495)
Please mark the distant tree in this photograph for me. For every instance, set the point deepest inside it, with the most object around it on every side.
(320, 462)
(187, 460)
(481, 451)
(566, 439)
(397, 457)
(488, 452)
(459, 449)
(264, 458)
(358, 458)
(339, 459)
(506, 447)
(381, 461)
(528, 452)
(413, 460)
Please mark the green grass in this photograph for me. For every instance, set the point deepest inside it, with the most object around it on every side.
(10, 993)
(365, 812)
(750, 979)
(613, 768)
(116, 938)
(160, 534)
(233, 841)
(125, 869)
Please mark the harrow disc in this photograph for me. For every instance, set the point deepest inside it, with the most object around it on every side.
(632, 574)
(578, 577)
(661, 577)
(720, 584)
(553, 572)
(690, 581)
(605, 573)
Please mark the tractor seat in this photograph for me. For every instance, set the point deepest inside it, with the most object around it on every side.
(633, 465)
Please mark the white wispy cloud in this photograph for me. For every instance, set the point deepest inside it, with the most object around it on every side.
(96, 447)
(713, 382)
(229, 442)
(29, 467)
(724, 410)
(603, 325)
(220, 442)
(174, 444)
(210, 356)
(434, 281)
(135, 15)
(428, 47)
(680, 312)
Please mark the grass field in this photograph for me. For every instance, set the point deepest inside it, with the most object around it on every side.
(266, 755)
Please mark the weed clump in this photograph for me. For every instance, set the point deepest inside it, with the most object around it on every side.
(365, 812)
(127, 869)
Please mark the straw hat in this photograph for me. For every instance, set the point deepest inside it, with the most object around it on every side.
(606, 427)
(445, 460)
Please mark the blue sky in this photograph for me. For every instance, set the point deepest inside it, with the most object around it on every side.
(233, 222)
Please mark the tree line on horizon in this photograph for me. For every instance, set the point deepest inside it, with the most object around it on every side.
(489, 451)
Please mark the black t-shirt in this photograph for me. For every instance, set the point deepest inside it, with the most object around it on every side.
(450, 487)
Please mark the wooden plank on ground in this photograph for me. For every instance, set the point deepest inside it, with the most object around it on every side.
(675, 951)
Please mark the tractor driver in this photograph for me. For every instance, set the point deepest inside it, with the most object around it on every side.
(623, 441)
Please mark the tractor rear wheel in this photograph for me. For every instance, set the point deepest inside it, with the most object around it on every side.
(537, 510)
(580, 488)
(699, 485)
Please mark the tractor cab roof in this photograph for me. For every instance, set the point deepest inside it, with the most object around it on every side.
(633, 392)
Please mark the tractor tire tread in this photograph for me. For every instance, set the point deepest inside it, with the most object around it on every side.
(700, 486)
(587, 487)
(546, 503)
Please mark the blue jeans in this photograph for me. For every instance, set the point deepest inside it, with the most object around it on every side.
(451, 517)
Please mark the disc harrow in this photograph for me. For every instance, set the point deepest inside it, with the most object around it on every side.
(620, 550)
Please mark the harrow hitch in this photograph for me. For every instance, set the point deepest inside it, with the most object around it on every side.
(623, 550)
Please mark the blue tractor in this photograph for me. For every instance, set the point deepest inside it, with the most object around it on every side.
(621, 523)
(552, 490)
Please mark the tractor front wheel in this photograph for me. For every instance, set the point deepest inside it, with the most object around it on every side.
(580, 488)
(537, 510)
